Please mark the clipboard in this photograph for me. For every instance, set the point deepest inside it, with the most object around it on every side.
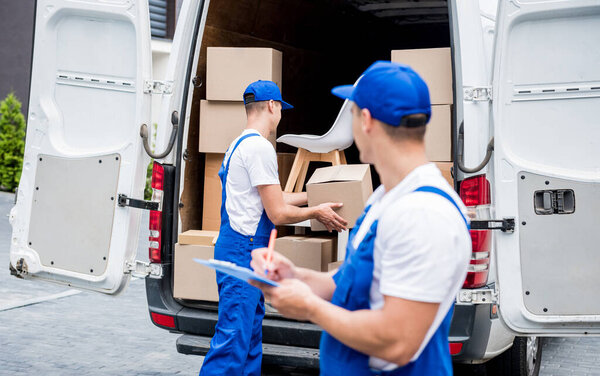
(236, 271)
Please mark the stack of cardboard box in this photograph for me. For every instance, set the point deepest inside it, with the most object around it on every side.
(434, 65)
(191, 280)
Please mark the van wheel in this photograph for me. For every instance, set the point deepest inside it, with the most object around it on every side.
(522, 359)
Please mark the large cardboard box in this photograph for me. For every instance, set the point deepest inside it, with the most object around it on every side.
(438, 137)
(192, 280)
(348, 184)
(198, 237)
(211, 207)
(446, 169)
(220, 124)
(229, 70)
(434, 65)
(306, 251)
(211, 210)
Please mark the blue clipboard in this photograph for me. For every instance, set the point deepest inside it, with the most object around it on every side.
(236, 271)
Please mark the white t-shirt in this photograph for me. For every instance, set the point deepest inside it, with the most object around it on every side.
(422, 246)
(254, 163)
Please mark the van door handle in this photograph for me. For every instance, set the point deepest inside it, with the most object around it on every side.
(144, 135)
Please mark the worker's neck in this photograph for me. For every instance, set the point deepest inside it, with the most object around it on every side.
(261, 125)
(396, 161)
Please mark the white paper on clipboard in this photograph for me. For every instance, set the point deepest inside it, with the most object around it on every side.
(236, 271)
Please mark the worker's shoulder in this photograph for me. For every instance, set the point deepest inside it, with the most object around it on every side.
(257, 146)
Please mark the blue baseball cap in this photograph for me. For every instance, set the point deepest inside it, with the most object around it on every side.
(389, 91)
(264, 91)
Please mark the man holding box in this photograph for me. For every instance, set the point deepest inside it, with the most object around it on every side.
(252, 204)
(387, 309)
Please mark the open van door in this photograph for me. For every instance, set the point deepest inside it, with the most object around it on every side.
(84, 161)
(546, 113)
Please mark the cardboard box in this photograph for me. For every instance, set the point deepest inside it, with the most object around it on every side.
(307, 252)
(198, 237)
(348, 184)
(284, 164)
(438, 137)
(211, 208)
(220, 124)
(334, 265)
(434, 65)
(229, 70)
(446, 169)
(192, 280)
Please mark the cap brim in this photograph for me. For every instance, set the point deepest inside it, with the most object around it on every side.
(344, 91)
(286, 106)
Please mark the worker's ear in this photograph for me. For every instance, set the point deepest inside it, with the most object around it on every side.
(271, 105)
(367, 121)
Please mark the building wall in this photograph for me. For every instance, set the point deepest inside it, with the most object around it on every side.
(16, 36)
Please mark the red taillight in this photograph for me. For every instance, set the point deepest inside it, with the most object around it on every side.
(455, 348)
(163, 320)
(475, 191)
(155, 225)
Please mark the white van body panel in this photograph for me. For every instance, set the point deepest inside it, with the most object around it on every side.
(546, 105)
(83, 148)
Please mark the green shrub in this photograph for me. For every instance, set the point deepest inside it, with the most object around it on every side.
(12, 142)
(148, 189)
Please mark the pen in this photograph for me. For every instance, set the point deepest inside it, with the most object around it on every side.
(270, 249)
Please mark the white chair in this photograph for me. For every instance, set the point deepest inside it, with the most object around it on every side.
(326, 148)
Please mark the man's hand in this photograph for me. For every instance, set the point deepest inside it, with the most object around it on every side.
(325, 214)
(278, 269)
(293, 298)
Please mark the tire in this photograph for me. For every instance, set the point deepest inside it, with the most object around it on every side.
(522, 359)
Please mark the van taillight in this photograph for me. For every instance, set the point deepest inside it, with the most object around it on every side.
(475, 193)
(155, 225)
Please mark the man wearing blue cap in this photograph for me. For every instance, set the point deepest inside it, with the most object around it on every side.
(387, 309)
(251, 204)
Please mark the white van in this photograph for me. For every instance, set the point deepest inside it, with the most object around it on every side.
(526, 152)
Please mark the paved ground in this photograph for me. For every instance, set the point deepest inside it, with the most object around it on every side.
(91, 334)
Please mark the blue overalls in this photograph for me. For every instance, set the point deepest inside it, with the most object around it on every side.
(236, 347)
(353, 285)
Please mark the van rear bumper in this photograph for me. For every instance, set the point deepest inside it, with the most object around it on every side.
(471, 327)
(292, 356)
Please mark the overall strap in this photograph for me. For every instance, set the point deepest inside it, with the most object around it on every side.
(235, 147)
(437, 191)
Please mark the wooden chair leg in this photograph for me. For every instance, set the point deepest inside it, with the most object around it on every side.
(302, 176)
(295, 171)
(342, 157)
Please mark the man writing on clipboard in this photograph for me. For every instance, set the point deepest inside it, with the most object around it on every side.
(252, 204)
(387, 310)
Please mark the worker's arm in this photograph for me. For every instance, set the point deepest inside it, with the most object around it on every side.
(281, 268)
(281, 213)
(393, 333)
(295, 198)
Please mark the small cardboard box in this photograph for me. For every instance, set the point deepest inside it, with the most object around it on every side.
(348, 184)
(446, 169)
(198, 237)
(434, 65)
(220, 124)
(192, 280)
(306, 251)
(438, 137)
(211, 207)
(334, 265)
(211, 210)
(229, 70)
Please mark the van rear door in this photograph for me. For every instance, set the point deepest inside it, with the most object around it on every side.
(83, 152)
(546, 111)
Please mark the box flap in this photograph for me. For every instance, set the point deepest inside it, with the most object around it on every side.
(198, 237)
(353, 172)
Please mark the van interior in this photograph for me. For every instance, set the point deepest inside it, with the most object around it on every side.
(324, 43)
